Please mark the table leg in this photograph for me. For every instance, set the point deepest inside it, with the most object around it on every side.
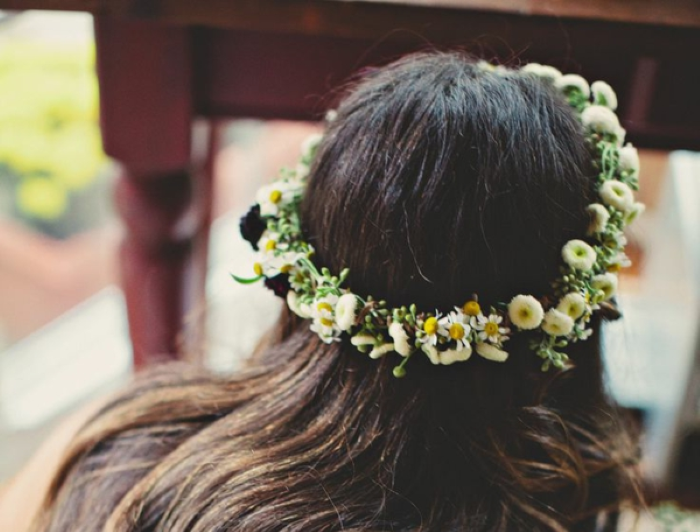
(155, 259)
(144, 70)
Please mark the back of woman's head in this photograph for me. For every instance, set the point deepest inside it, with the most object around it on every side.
(437, 180)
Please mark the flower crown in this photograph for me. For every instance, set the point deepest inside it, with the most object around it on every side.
(587, 280)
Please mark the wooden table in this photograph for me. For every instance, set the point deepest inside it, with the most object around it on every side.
(163, 63)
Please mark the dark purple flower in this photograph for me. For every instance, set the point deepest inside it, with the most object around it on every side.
(279, 284)
(252, 226)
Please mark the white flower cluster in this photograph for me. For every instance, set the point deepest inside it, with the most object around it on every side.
(589, 263)
(448, 339)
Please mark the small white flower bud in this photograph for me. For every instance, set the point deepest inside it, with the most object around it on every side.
(402, 343)
(603, 94)
(599, 218)
(381, 350)
(525, 312)
(607, 282)
(346, 311)
(454, 355)
(579, 255)
(573, 305)
(492, 353)
(573, 81)
(557, 323)
(617, 194)
(600, 119)
(629, 159)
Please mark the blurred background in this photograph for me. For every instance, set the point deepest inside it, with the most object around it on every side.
(64, 325)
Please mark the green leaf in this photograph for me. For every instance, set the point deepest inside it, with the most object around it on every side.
(243, 280)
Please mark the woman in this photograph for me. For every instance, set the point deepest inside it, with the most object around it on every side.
(439, 178)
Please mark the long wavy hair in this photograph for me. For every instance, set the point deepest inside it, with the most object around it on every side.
(436, 180)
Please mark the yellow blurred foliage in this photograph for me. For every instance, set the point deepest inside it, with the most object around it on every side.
(42, 197)
(49, 131)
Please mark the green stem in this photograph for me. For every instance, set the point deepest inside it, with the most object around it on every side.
(312, 268)
(400, 370)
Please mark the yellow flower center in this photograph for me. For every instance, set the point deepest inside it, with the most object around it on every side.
(430, 326)
(270, 245)
(324, 306)
(326, 322)
(614, 267)
(471, 308)
(491, 328)
(275, 196)
(257, 268)
(286, 268)
(456, 331)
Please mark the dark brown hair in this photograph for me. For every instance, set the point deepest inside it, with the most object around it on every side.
(437, 180)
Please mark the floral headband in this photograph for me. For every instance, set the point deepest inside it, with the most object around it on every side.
(587, 280)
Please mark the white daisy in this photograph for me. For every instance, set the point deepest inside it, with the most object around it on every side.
(455, 326)
(300, 309)
(525, 312)
(346, 311)
(633, 213)
(629, 159)
(607, 282)
(573, 81)
(601, 119)
(617, 194)
(272, 264)
(556, 323)
(579, 255)
(492, 353)
(275, 196)
(402, 342)
(297, 279)
(430, 330)
(381, 350)
(489, 328)
(323, 314)
(270, 243)
(621, 260)
(573, 305)
(603, 94)
(543, 71)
